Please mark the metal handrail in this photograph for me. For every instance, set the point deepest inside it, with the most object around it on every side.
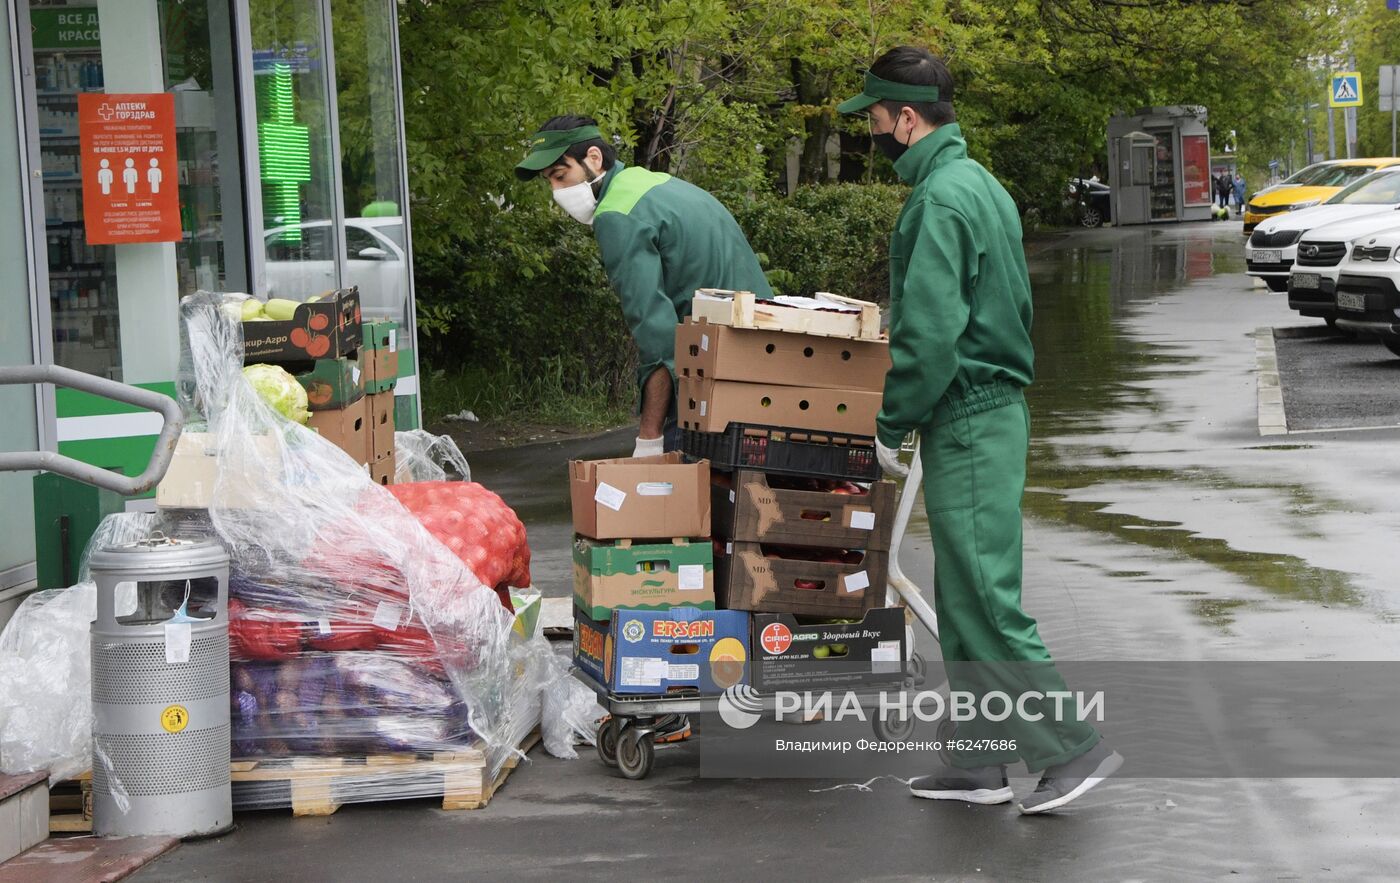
(47, 461)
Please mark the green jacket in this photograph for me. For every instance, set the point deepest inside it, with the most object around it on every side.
(960, 297)
(661, 239)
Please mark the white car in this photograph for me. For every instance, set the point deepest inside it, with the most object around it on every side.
(1272, 247)
(300, 266)
(1368, 289)
(1312, 283)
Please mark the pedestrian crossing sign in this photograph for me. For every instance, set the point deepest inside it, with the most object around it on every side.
(1346, 90)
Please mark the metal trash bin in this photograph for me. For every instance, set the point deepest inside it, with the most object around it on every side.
(160, 689)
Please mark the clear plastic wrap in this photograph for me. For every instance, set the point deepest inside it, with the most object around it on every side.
(354, 632)
(46, 669)
(423, 456)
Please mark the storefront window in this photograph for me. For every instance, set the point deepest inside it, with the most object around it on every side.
(294, 147)
(366, 91)
(135, 219)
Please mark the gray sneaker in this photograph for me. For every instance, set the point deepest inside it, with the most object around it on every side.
(1061, 784)
(985, 785)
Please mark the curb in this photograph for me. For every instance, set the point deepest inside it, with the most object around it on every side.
(1272, 419)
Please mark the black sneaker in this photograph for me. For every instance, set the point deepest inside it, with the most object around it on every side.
(1061, 784)
(985, 785)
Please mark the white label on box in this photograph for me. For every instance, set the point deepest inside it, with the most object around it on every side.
(639, 672)
(857, 581)
(393, 340)
(862, 520)
(692, 577)
(654, 489)
(177, 642)
(323, 626)
(386, 616)
(355, 374)
(705, 342)
(704, 406)
(687, 672)
(609, 496)
(886, 651)
(731, 496)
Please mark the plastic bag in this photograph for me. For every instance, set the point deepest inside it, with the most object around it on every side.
(46, 668)
(423, 456)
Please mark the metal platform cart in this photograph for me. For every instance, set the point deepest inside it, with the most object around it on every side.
(627, 739)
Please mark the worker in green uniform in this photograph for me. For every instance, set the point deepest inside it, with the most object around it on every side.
(960, 347)
(660, 239)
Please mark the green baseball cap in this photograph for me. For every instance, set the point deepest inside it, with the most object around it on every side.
(877, 89)
(547, 147)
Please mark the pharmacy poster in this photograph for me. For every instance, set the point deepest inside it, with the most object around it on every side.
(130, 177)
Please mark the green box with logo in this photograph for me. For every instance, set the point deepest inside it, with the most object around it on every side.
(642, 576)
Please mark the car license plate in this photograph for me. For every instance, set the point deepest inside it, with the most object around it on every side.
(1346, 301)
(1306, 281)
(1268, 257)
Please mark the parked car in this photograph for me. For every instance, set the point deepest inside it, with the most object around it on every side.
(1090, 201)
(1272, 247)
(300, 266)
(1368, 289)
(1312, 283)
(1317, 182)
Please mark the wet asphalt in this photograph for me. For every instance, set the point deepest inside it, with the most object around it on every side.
(1335, 381)
(1160, 525)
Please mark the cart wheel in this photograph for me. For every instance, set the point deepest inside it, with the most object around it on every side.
(635, 754)
(918, 671)
(894, 729)
(607, 741)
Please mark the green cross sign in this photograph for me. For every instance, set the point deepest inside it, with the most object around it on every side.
(284, 151)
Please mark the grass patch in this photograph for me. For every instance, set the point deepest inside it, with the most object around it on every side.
(546, 394)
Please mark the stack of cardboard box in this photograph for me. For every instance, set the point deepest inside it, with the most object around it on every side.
(802, 525)
(348, 368)
(644, 580)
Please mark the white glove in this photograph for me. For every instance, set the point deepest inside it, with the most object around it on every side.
(889, 460)
(649, 447)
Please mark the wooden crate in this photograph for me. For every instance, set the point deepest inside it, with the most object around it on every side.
(742, 309)
(70, 806)
(319, 786)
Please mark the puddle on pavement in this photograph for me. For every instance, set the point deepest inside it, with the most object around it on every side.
(1093, 378)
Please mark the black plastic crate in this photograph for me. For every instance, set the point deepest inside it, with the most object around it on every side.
(785, 451)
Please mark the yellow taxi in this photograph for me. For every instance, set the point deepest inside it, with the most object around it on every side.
(1313, 185)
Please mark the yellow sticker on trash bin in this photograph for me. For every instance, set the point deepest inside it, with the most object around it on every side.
(175, 718)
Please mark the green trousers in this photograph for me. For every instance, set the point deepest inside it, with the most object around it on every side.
(974, 461)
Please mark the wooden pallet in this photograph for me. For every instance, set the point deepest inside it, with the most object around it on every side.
(70, 806)
(742, 309)
(318, 785)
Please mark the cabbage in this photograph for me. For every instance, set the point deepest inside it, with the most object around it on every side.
(280, 390)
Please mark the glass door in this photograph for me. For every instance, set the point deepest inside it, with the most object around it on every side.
(19, 430)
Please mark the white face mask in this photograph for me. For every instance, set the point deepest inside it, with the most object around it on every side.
(579, 200)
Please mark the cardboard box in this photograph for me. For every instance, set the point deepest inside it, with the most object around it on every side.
(791, 655)
(710, 405)
(659, 497)
(347, 428)
(197, 463)
(749, 508)
(653, 652)
(642, 576)
(382, 471)
(827, 314)
(325, 329)
(329, 383)
(746, 579)
(381, 425)
(719, 352)
(379, 357)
